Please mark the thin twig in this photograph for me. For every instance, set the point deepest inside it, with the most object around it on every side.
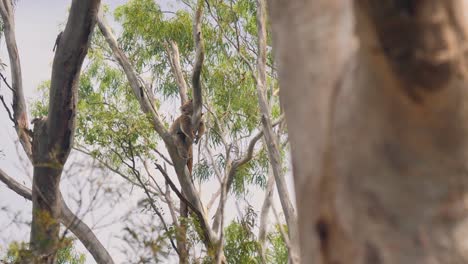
(6, 82)
(7, 109)
(174, 188)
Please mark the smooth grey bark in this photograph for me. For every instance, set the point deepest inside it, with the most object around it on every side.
(174, 60)
(310, 40)
(270, 138)
(377, 130)
(263, 228)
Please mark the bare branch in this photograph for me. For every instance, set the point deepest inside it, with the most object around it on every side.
(68, 219)
(197, 67)
(15, 186)
(213, 199)
(66, 69)
(137, 87)
(107, 165)
(20, 114)
(10, 116)
(248, 156)
(163, 157)
(6, 82)
(174, 189)
(148, 195)
(174, 57)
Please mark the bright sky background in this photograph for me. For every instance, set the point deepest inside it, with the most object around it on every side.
(37, 24)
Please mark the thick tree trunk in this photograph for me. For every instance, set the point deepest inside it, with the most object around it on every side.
(48, 205)
(46, 198)
(379, 143)
(53, 136)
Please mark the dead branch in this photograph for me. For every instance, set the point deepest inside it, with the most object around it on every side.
(20, 114)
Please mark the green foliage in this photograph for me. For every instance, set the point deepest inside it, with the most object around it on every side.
(68, 255)
(241, 245)
(40, 107)
(112, 128)
(254, 172)
(145, 37)
(110, 125)
(277, 252)
(18, 252)
(229, 88)
(202, 171)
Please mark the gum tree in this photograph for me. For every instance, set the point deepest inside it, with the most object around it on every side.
(377, 123)
(49, 143)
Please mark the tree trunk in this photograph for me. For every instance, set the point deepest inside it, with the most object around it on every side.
(264, 212)
(182, 234)
(46, 198)
(378, 142)
(53, 136)
(270, 138)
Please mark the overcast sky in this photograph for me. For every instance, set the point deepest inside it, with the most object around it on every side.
(37, 24)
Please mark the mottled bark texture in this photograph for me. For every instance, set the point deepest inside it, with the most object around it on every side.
(53, 136)
(377, 124)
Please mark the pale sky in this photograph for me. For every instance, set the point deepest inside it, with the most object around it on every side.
(37, 24)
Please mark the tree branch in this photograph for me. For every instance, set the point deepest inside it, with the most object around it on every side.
(10, 116)
(69, 220)
(236, 164)
(197, 67)
(180, 165)
(248, 156)
(174, 189)
(174, 58)
(310, 86)
(66, 69)
(20, 114)
(137, 87)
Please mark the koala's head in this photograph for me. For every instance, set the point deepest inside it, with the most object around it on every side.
(187, 108)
